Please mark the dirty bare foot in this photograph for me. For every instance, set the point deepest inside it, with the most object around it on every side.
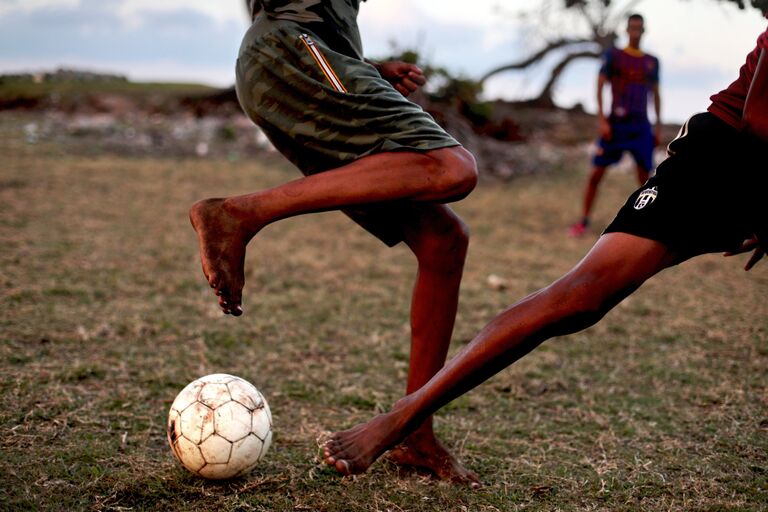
(426, 452)
(222, 239)
(353, 451)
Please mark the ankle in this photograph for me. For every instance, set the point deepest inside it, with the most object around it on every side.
(405, 412)
(247, 218)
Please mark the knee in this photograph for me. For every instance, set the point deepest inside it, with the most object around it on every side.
(456, 237)
(445, 245)
(452, 239)
(454, 172)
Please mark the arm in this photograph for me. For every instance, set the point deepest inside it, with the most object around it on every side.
(753, 244)
(404, 77)
(755, 117)
(657, 110)
(604, 125)
(754, 120)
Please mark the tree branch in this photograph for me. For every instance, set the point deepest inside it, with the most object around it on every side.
(554, 45)
(545, 97)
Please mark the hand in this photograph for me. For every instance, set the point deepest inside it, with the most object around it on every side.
(605, 129)
(749, 245)
(404, 77)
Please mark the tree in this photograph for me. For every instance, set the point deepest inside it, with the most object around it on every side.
(600, 22)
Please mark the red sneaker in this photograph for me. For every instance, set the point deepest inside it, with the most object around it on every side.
(578, 230)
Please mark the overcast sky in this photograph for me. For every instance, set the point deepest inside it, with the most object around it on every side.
(701, 43)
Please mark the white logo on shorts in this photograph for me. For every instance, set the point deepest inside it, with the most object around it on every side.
(646, 197)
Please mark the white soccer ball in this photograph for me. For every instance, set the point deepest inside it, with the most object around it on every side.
(219, 426)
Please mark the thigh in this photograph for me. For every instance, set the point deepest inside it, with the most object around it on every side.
(641, 148)
(622, 261)
(608, 152)
(616, 266)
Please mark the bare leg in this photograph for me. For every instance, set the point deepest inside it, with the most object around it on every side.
(225, 226)
(439, 240)
(590, 193)
(642, 174)
(616, 266)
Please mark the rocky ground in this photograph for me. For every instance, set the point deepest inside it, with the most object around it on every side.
(516, 140)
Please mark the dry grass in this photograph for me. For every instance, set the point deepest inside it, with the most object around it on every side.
(105, 317)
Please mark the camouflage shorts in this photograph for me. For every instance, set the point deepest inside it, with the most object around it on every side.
(322, 108)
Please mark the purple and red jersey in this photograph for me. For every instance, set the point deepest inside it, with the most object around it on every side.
(633, 75)
(728, 104)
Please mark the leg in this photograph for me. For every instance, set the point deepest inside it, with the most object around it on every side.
(225, 226)
(642, 174)
(616, 266)
(439, 239)
(590, 193)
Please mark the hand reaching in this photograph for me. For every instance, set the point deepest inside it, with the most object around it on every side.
(753, 244)
(405, 77)
(606, 132)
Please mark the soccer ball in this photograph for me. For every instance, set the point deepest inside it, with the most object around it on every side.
(219, 426)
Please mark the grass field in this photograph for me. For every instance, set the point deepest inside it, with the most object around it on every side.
(106, 316)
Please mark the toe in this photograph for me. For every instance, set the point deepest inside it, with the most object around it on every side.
(235, 300)
(329, 455)
(223, 295)
(342, 466)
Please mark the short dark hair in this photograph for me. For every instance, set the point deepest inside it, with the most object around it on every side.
(635, 16)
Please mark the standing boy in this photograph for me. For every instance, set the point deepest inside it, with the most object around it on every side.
(634, 76)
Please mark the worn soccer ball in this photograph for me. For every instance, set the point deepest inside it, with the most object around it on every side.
(219, 426)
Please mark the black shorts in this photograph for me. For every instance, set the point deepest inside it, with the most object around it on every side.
(708, 196)
(385, 221)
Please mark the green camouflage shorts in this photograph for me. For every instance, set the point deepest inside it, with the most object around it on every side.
(323, 108)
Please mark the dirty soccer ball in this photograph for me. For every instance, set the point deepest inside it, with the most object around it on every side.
(219, 426)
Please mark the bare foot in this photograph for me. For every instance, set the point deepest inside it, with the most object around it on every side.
(426, 452)
(353, 451)
(222, 241)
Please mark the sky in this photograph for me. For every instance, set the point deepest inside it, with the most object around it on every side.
(701, 43)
